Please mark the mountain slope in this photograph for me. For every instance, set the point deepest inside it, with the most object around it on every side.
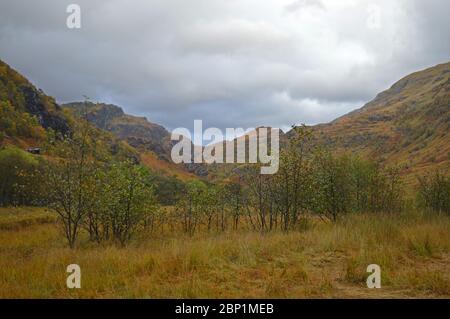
(137, 131)
(26, 115)
(408, 124)
(25, 111)
(151, 140)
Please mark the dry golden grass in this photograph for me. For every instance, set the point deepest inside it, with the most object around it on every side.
(19, 217)
(323, 260)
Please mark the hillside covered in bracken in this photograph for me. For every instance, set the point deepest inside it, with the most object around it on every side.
(408, 124)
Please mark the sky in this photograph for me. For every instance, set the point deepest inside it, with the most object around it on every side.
(230, 63)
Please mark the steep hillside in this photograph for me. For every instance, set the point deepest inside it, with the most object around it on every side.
(151, 140)
(137, 131)
(25, 111)
(408, 124)
(27, 115)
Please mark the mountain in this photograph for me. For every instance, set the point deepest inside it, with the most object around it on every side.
(137, 131)
(151, 140)
(25, 110)
(408, 124)
(31, 120)
(27, 114)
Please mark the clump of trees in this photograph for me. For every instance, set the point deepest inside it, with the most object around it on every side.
(108, 198)
(126, 202)
(109, 201)
(313, 181)
(434, 192)
(20, 177)
(112, 197)
(215, 207)
(309, 181)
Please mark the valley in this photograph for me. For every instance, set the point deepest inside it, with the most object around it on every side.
(85, 183)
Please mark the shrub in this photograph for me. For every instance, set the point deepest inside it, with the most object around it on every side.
(434, 192)
(19, 184)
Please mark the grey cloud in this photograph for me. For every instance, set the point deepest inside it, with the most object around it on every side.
(231, 63)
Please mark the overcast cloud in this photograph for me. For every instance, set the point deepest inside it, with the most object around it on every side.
(232, 63)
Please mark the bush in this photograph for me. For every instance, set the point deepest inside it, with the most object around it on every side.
(126, 199)
(434, 192)
(19, 177)
(168, 190)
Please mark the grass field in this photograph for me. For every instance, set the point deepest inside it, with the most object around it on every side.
(322, 260)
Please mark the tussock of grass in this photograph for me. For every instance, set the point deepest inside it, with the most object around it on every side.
(322, 260)
(14, 218)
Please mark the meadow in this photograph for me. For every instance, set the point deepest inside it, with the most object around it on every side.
(320, 259)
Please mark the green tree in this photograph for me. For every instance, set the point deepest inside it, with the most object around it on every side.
(292, 185)
(70, 179)
(434, 191)
(19, 181)
(233, 197)
(192, 205)
(127, 199)
(332, 185)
